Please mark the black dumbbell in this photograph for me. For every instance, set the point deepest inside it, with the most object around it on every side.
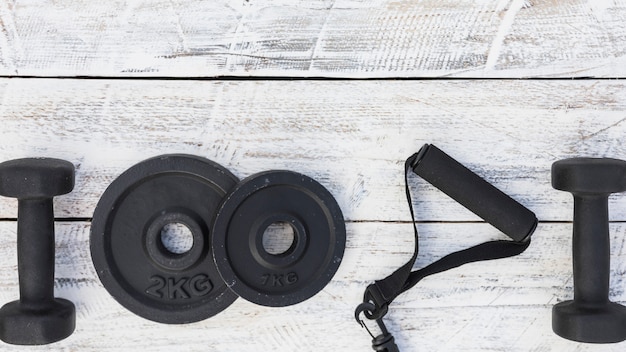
(590, 317)
(37, 318)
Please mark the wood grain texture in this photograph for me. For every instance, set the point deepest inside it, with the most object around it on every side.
(351, 136)
(329, 38)
(489, 306)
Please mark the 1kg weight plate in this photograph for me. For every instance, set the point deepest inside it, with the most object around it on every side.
(307, 264)
(127, 247)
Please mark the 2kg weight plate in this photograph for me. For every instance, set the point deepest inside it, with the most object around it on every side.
(126, 243)
(290, 277)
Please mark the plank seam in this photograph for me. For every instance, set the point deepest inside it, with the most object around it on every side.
(312, 78)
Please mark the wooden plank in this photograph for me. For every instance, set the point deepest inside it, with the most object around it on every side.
(330, 38)
(351, 136)
(500, 305)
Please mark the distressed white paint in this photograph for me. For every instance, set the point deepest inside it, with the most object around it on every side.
(490, 306)
(328, 38)
(503, 30)
(352, 136)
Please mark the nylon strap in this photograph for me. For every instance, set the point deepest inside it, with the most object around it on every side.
(381, 293)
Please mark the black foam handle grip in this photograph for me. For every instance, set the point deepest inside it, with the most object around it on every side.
(474, 193)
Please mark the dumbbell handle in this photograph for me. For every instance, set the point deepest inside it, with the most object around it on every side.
(591, 249)
(35, 251)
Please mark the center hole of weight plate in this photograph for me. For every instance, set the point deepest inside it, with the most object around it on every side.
(278, 237)
(176, 238)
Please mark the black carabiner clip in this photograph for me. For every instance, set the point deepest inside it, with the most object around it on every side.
(383, 342)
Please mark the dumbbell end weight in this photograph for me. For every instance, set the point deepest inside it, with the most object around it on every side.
(604, 323)
(20, 324)
(33, 178)
(589, 175)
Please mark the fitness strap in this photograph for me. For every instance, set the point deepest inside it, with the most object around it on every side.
(474, 193)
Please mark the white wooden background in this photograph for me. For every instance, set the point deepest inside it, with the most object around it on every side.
(91, 82)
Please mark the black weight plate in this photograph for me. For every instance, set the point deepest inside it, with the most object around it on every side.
(306, 266)
(128, 252)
